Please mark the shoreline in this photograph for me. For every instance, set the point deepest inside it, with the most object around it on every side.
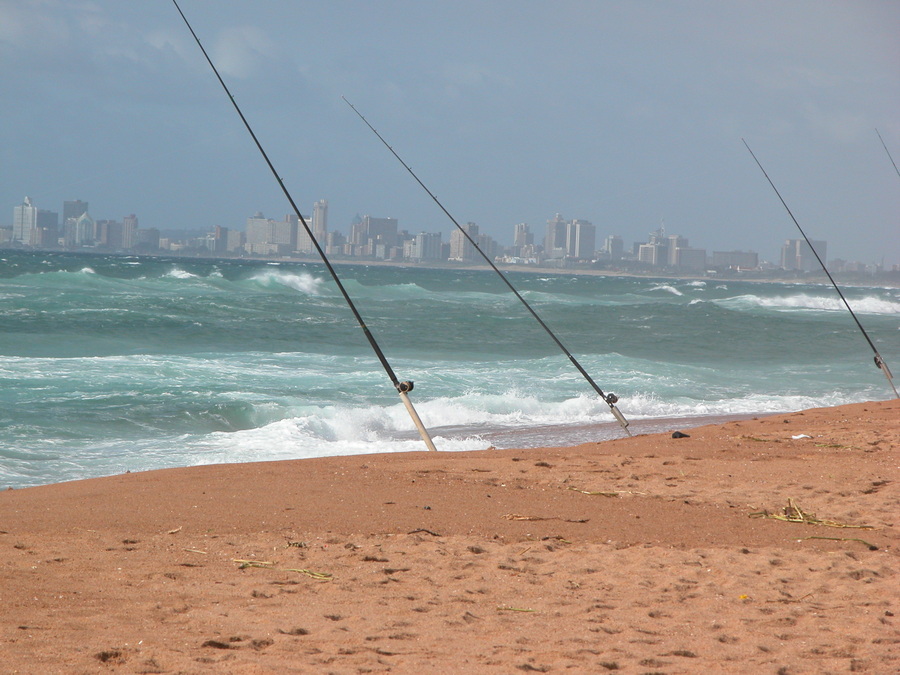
(677, 555)
(557, 436)
(816, 279)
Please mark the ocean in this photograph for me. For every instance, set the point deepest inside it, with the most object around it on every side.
(111, 364)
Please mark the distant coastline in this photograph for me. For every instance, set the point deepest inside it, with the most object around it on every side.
(884, 279)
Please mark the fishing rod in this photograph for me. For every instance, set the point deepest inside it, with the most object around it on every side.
(888, 152)
(609, 399)
(402, 387)
(879, 361)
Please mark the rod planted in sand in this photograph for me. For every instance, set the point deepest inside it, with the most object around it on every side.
(879, 361)
(401, 387)
(609, 399)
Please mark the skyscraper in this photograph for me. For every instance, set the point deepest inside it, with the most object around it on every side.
(614, 247)
(581, 239)
(523, 236)
(555, 241)
(797, 255)
(74, 209)
(425, 246)
(320, 221)
(461, 248)
(129, 231)
(33, 226)
(24, 221)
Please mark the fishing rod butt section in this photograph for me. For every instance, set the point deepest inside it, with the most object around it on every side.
(403, 388)
(620, 417)
(882, 365)
(609, 400)
(879, 361)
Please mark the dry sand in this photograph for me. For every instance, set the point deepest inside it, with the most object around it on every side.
(641, 555)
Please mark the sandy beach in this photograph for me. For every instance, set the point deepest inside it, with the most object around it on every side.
(766, 545)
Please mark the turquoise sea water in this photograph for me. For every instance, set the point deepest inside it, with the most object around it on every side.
(111, 364)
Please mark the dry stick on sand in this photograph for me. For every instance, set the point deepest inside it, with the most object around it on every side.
(268, 565)
(794, 514)
(516, 516)
(615, 493)
(871, 547)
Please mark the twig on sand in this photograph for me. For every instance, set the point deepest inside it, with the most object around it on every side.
(516, 516)
(794, 514)
(253, 563)
(871, 547)
(514, 609)
(268, 565)
(601, 494)
(319, 576)
(422, 529)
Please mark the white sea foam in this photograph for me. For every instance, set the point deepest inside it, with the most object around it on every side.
(667, 288)
(460, 425)
(176, 273)
(150, 388)
(867, 305)
(304, 282)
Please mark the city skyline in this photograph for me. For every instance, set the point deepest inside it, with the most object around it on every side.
(566, 243)
(626, 115)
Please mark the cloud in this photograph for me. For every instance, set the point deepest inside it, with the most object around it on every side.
(243, 51)
(35, 25)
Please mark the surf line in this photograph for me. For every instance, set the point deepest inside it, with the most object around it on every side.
(402, 387)
(610, 399)
(879, 361)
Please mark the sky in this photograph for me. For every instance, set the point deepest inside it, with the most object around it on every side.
(628, 114)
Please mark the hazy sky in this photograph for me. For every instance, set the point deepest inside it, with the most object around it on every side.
(623, 113)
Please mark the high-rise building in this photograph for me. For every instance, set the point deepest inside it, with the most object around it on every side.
(424, 246)
(654, 255)
(74, 209)
(265, 236)
(373, 237)
(523, 236)
(688, 259)
(129, 231)
(257, 233)
(108, 234)
(381, 230)
(84, 231)
(24, 221)
(461, 248)
(284, 233)
(555, 241)
(33, 226)
(46, 234)
(581, 239)
(334, 243)
(235, 240)
(797, 255)
(614, 247)
(674, 242)
(320, 221)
